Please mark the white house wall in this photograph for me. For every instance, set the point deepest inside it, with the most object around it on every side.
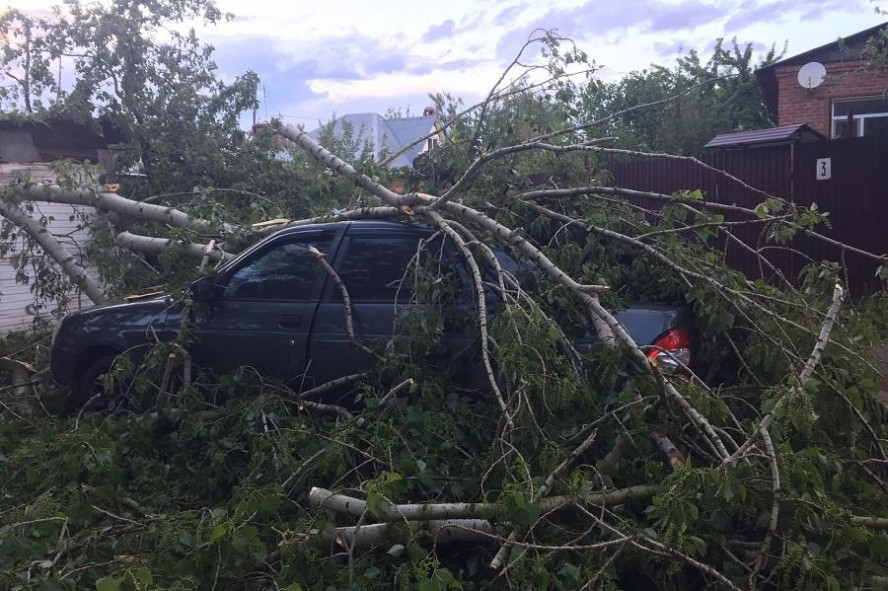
(63, 221)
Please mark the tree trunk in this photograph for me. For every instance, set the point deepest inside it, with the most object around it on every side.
(52, 247)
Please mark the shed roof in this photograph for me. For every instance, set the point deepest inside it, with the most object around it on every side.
(765, 137)
(49, 139)
(52, 131)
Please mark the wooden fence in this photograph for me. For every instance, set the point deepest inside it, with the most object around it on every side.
(847, 178)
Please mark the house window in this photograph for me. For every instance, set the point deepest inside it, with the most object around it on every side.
(432, 143)
(859, 117)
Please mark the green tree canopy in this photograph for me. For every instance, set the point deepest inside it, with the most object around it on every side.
(138, 67)
(717, 96)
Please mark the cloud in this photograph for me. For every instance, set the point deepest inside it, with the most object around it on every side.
(753, 12)
(817, 10)
(350, 60)
(684, 16)
(300, 79)
(282, 83)
(346, 57)
(460, 64)
(442, 31)
(505, 17)
(596, 19)
(669, 49)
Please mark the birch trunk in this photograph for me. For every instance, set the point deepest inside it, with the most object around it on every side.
(55, 250)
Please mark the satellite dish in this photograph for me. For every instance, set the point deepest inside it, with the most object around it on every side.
(811, 75)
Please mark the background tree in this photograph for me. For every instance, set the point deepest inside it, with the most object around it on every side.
(26, 60)
(718, 96)
(139, 69)
(131, 66)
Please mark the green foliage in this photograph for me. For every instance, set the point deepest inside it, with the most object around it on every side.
(718, 96)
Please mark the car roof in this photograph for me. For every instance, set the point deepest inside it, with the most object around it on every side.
(369, 225)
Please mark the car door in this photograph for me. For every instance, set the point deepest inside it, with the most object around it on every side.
(263, 317)
(372, 264)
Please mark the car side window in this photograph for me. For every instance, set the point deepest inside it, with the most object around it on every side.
(379, 269)
(288, 271)
(374, 267)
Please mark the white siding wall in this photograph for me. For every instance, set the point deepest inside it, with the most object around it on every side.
(14, 296)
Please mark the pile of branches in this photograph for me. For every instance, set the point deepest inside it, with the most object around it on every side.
(762, 466)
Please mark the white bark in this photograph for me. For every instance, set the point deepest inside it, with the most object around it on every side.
(586, 293)
(410, 512)
(541, 492)
(348, 505)
(56, 251)
(121, 205)
(20, 372)
(804, 377)
(339, 166)
(151, 245)
(367, 537)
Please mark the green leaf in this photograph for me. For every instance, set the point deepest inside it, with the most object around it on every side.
(376, 503)
(218, 533)
(396, 550)
(695, 546)
(553, 334)
(569, 571)
(879, 545)
(142, 576)
(107, 584)
(718, 520)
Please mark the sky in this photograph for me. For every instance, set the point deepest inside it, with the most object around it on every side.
(348, 56)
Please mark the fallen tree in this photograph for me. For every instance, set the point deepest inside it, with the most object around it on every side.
(765, 468)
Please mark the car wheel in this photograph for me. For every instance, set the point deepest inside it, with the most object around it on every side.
(89, 389)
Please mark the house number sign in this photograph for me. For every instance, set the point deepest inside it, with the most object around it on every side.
(824, 169)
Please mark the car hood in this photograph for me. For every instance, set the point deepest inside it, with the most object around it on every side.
(153, 305)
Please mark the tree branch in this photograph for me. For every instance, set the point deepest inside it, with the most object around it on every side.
(56, 251)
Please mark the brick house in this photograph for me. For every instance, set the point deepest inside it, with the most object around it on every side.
(849, 100)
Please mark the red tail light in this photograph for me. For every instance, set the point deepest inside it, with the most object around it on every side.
(673, 349)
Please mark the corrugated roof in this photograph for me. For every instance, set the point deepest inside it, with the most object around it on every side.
(773, 135)
(407, 131)
(389, 135)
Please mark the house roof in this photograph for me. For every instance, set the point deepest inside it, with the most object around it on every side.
(843, 48)
(765, 137)
(48, 139)
(58, 130)
(386, 135)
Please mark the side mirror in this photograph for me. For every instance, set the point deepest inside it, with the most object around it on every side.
(205, 289)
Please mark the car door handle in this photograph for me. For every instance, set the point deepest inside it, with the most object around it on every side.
(290, 321)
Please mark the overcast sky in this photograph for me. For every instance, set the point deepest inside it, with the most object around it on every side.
(349, 56)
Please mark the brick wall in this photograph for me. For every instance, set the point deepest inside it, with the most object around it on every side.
(813, 107)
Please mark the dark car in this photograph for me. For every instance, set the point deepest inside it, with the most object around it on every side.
(276, 309)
